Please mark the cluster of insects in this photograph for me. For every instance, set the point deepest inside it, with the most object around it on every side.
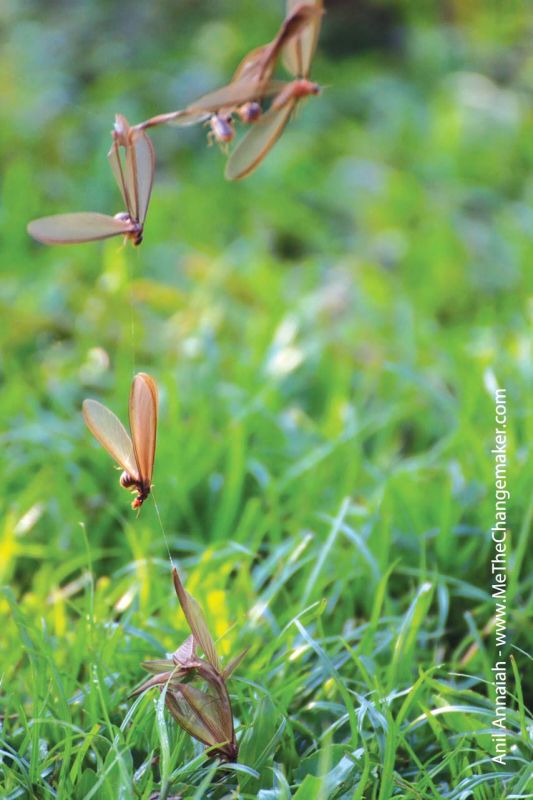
(132, 161)
(245, 98)
(265, 106)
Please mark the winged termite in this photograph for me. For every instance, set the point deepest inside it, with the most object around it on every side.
(132, 162)
(250, 83)
(297, 53)
(204, 711)
(134, 454)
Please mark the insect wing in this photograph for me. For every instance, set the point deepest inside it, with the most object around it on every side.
(112, 435)
(299, 50)
(140, 167)
(185, 117)
(143, 423)
(121, 133)
(117, 168)
(254, 146)
(300, 17)
(78, 227)
(235, 94)
(195, 617)
(206, 708)
(186, 717)
(257, 65)
(179, 118)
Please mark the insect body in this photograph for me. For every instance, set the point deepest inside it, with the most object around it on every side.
(222, 129)
(249, 112)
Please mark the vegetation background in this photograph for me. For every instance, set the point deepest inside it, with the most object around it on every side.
(327, 337)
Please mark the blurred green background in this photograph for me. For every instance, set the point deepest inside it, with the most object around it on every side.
(326, 336)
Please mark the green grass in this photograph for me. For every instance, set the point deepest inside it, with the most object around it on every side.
(325, 337)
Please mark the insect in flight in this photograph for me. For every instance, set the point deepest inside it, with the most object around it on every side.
(249, 84)
(134, 454)
(132, 161)
(297, 55)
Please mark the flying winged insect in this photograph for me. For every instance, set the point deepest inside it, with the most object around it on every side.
(249, 84)
(132, 161)
(135, 455)
(297, 55)
(259, 64)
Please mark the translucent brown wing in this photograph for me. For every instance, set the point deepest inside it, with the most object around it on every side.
(230, 96)
(186, 117)
(85, 226)
(233, 664)
(254, 146)
(259, 64)
(143, 423)
(112, 435)
(299, 50)
(301, 25)
(235, 94)
(187, 718)
(205, 709)
(140, 159)
(195, 617)
(118, 162)
(181, 117)
(118, 172)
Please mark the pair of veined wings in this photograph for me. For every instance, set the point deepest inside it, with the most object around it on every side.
(252, 78)
(258, 65)
(299, 51)
(297, 55)
(134, 173)
(135, 454)
(202, 716)
(133, 170)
